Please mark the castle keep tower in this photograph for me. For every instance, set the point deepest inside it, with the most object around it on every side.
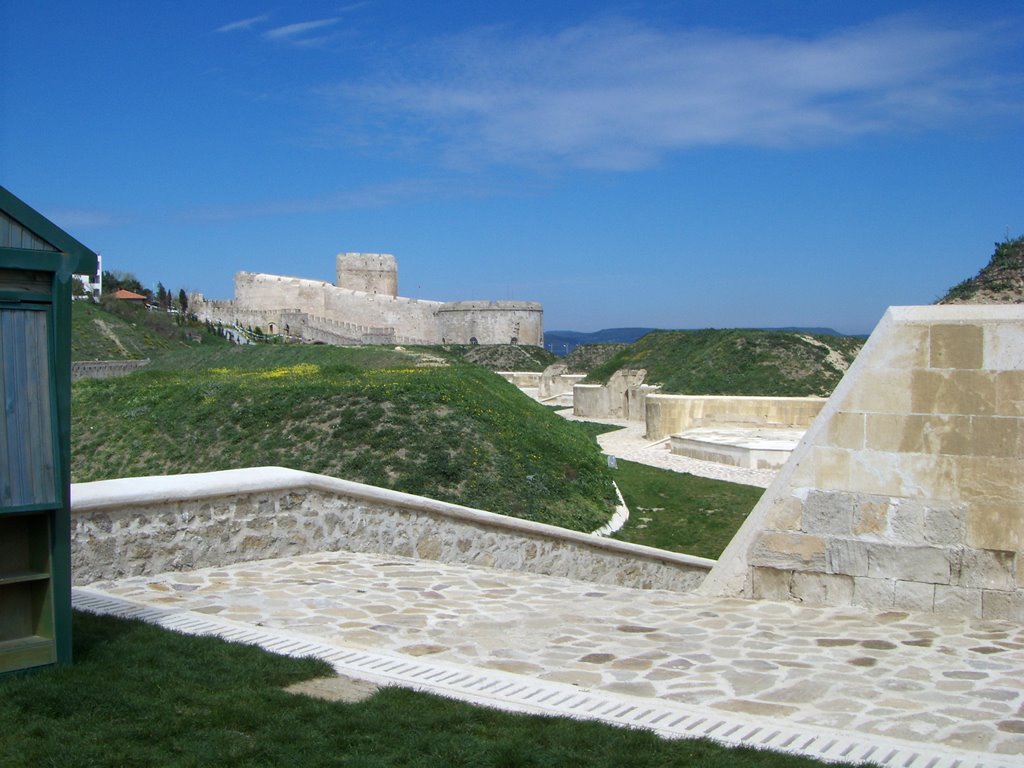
(368, 272)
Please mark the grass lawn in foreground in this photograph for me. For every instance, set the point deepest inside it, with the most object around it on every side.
(681, 512)
(138, 695)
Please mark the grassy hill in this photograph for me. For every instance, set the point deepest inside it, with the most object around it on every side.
(1001, 281)
(737, 362)
(395, 419)
(120, 331)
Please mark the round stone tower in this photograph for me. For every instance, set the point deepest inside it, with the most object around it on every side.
(368, 272)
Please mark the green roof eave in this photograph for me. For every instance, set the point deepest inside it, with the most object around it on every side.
(84, 260)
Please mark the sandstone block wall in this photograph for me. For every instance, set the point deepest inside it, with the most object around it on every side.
(140, 526)
(908, 490)
(669, 414)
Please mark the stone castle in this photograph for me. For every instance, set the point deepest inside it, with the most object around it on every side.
(363, 307)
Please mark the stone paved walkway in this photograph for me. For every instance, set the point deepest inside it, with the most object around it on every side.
(629, 443)
(938, 682)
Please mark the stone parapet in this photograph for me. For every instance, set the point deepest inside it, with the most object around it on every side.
(142, 526)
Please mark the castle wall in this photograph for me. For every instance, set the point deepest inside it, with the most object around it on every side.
(492, 322)
(274, 302)
(907, 492)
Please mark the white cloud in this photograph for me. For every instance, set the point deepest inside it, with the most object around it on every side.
(620, 95)
(295, 32)
(71, 219)
(241, 24)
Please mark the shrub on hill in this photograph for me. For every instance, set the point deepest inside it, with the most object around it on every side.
(456, 433)
(1001, 281)
(737, 362)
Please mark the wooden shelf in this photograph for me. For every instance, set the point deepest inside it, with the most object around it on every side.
(19, 577)
(28, 651)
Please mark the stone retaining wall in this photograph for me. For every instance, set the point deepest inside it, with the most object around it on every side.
(668, 414)
(140, 526)
(105, 369)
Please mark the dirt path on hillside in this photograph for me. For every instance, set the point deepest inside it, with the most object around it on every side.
(109, 333)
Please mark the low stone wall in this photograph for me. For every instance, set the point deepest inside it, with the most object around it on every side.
(623, 397)
(521, 378)
(139, 526)
(105, 369)
(556, 381)
(669, 414)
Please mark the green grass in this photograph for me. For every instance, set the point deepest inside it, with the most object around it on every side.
(456, 433)
(681, 512)
(735, 362)
(141, 696)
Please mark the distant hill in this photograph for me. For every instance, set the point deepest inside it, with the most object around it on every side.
(737, 362)
(1001, 281)
(562, 343)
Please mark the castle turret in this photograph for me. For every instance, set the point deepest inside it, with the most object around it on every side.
(368, 272)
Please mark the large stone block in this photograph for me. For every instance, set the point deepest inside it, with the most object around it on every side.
(997, 436)
(959, 601)
(880, 391)
(1004, 347)
(914, 596)
(874, 594)
(1010, 393)
(846, 430)
(871, 517)
(788, 550)
(785, 515)
(915, 433)
(970, 392)
(988, 569)
(822, 588)
(906, 347)
(847, 557)
(831, 468)
(1002, 606)
(932, 565)
(956, 346)
(907, 475)
(770, 583)
(828, 513)
(945, 524)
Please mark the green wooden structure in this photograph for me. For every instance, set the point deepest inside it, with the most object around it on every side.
(37, 261)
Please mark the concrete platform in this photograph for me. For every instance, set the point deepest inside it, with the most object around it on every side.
(738, 446)
(896, 689)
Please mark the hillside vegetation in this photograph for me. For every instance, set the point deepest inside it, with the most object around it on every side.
(737, 362)
(1001, 281)
(119, 331)
(394, 419)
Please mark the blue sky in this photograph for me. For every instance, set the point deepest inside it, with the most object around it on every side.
(666, 164)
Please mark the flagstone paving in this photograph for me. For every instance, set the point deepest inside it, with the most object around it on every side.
(939, 681)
